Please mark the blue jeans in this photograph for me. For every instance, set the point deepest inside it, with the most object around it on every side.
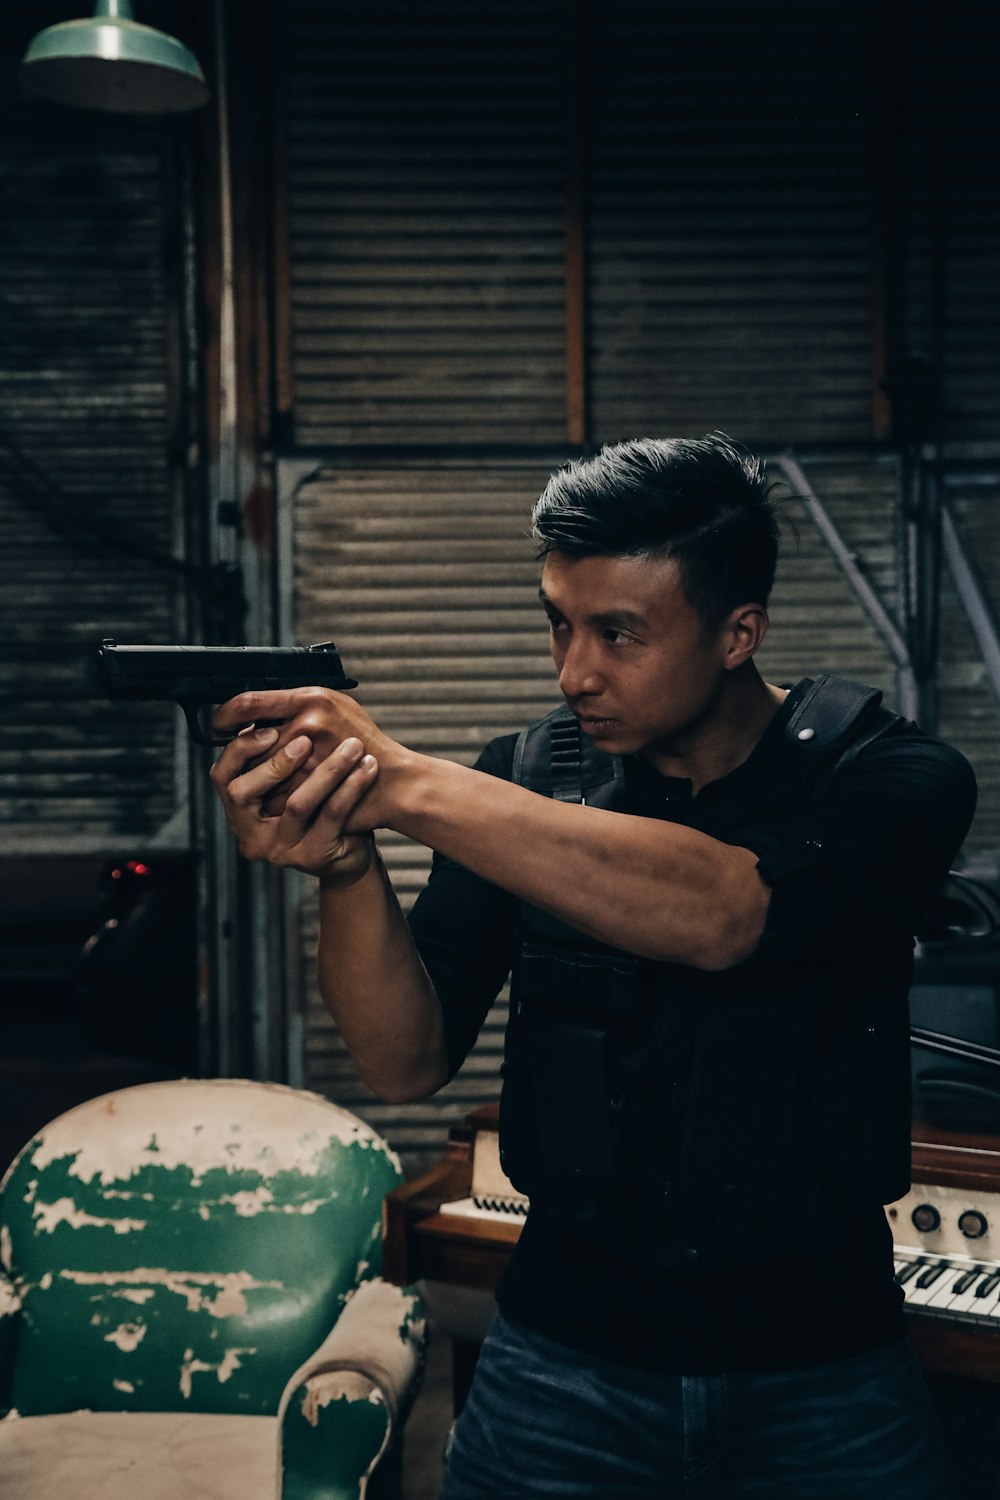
(542, 1419)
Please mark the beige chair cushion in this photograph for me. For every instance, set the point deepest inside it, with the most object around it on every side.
(84, 1455)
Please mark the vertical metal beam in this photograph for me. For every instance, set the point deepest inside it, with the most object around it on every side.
(251, 45)
(284, 379)
(289, 475)
(576, 105)
(887, 155)
(942, 155)
(225, 877)
(245, 902)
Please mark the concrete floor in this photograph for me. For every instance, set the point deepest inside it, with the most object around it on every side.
(428, 1423)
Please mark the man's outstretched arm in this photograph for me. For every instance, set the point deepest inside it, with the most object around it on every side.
(652, 888)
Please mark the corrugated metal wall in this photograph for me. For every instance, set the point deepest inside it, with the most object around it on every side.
(948, 116)
(83, 444)
(730, 245)
(426, 222)
(430, 579)
(951, 117)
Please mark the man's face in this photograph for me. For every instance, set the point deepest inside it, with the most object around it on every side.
(634, 661)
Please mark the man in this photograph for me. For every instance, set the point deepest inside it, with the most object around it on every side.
(708, 905)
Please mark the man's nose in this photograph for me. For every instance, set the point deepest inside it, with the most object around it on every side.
(577, 671)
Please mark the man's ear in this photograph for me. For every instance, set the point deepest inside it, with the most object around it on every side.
(745, 629)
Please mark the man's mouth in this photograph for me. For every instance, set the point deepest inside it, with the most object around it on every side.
(592, 724)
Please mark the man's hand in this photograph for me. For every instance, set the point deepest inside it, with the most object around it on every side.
(307, 831)
(326, 718)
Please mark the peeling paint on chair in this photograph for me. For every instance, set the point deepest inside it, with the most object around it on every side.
(175, 1246)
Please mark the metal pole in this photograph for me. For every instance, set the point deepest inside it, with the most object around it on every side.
(225, 878)
(972, 596)
(851, 567)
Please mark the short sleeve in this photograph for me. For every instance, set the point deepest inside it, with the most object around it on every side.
(462, 927)
(862, 865)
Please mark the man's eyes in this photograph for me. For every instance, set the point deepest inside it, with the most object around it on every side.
(610, 634)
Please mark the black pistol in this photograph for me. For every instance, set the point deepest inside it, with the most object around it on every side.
(199, 677)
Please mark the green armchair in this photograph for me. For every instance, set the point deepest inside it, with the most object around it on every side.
(190, 1301)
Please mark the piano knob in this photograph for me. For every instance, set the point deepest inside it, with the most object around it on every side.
(926, 1217)
(973, 1224)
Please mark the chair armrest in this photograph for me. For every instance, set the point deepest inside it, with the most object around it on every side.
(346, 1404)
(10, 1310)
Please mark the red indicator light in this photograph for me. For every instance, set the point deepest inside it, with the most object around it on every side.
(116, 874)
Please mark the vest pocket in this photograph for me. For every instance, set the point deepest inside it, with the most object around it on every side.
(570, 1093)
(555, 1116)
(744, 1115)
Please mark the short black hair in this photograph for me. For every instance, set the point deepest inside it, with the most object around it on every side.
(705, 502)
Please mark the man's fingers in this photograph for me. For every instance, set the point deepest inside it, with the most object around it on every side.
(333, 789)
(250, 708)
(247, 746)
(254, 784)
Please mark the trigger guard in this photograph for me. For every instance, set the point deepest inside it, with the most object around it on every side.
(201, 734)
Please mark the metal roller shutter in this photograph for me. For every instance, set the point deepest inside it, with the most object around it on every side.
(427, 582)
(83, 442)
(425, 162)
(729, 252)
(953, 211)
(729, 245)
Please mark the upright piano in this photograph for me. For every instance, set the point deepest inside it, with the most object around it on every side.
(454, 1229)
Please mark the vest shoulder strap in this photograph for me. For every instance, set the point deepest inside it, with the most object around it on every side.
(830, 725)
(834, 720)
(554, 757)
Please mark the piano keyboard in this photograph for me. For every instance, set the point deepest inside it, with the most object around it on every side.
(946, 1250)
(957, 1287)
(492, 1208)
(493, 1196)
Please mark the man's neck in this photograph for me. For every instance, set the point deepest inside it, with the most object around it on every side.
(725, 736)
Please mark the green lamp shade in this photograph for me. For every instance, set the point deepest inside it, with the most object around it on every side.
(111, 62)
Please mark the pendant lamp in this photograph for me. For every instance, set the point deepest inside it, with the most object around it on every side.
(111, 62)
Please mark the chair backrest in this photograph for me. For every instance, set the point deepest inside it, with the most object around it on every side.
(184, 1246)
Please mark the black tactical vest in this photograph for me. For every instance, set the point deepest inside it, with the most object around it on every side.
(657, 1109)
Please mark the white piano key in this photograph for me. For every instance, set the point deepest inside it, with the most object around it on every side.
(982, 1307)
(944, 1289)
(968, 1302)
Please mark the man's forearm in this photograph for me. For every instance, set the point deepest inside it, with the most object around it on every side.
(375, 987)
(653, 888)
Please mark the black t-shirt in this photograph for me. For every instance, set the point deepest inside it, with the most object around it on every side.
(852, 876)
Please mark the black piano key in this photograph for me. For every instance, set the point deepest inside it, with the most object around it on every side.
(908, 1272)
(933, 1272)
(964, 1282)
(992, 1281)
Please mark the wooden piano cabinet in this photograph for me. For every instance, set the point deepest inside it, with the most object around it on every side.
(423, 1243)
(468, 1256)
